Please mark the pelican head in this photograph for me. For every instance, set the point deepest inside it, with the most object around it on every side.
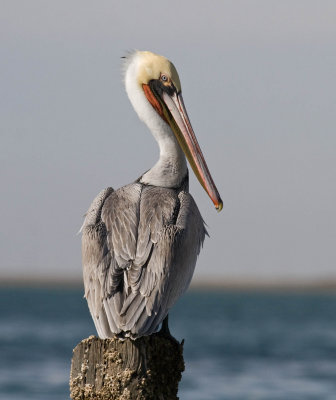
(154, 89)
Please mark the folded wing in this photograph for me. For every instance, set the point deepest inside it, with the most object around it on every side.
(139, 246)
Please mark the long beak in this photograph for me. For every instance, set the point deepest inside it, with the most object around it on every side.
(181, 126)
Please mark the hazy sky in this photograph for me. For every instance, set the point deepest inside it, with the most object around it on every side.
(259, 83)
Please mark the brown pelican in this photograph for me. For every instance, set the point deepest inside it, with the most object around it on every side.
(140, 242)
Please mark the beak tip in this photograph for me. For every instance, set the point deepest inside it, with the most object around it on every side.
(219, 206)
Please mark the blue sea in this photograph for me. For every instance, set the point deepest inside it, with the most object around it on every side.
(238, 345)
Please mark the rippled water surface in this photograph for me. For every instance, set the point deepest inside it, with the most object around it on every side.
(238, 346)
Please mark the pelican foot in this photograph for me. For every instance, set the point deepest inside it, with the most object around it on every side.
(165, 332)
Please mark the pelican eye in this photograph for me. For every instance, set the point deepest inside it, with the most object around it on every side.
(164, 78)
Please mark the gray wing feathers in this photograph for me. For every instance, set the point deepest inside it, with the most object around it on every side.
(121, 217)
(96, 261)
(142, 257)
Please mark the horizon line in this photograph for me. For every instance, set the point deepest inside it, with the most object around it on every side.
(318, 284)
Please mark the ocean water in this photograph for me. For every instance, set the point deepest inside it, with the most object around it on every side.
(238, 345)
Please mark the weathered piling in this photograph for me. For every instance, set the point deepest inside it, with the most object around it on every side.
(144, 369)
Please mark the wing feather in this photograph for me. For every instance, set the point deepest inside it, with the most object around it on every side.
(140, 245)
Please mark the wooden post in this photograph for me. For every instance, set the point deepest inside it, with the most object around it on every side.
(145, 369)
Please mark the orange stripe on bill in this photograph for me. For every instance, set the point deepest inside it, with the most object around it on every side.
(180, 124)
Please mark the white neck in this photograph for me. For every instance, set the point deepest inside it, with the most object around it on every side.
(171, 168)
